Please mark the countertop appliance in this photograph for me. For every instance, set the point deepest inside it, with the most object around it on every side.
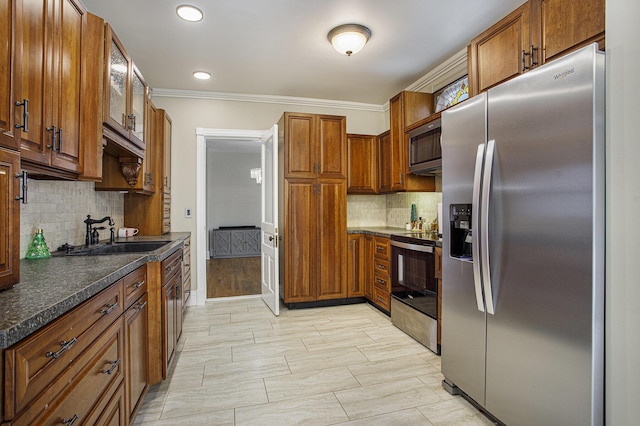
(414, 290)
(523, 315)
(425, 154)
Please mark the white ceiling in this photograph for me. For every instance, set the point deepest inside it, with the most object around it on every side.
(280, 47)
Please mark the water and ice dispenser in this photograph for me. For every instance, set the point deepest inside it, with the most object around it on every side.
(461, 233)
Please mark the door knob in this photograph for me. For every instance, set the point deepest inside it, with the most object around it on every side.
(271, 238)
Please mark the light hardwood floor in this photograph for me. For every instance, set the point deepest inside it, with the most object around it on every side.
(239, 365)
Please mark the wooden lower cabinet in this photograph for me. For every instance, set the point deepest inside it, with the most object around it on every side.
(137, 359)
(88, 366)
(367, 265)
(315, 240)
(382, 273)
(171, 308)
(355, 270)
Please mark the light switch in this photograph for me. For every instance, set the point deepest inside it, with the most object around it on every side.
(187, 212)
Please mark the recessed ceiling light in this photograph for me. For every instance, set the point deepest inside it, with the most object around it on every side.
(189, 13)
(202, 75)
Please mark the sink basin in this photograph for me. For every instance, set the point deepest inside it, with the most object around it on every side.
(117, 248)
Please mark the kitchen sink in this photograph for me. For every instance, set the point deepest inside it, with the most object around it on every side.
(117, 248)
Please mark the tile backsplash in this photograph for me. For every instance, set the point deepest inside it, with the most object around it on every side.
(59, 208)
(392, 209)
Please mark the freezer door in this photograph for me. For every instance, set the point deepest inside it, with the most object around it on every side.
(544, 342)
(463, 324)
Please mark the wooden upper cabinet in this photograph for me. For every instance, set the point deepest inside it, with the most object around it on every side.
(9, 218)
(384, 162)
(406, 109)
(533, 34)
(51, 68)
(496, 55)
(10, 114)
(566, 25)
(315, 146)
(124, 91)
(362, 160)
(163, 130)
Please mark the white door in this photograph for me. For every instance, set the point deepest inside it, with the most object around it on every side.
(269, 234)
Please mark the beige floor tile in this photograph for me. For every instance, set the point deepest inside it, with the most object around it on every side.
(203, 356)
(325, 359)
(217, 418)
(452, 412)
(343, 340)
(217, 340)
(387, 397)
(245, 370)
(411, 417)
(213, 398)
(184, 378)
(294, 331)
(310, 411)
(383, 350)
(267, 350)
(389, 370)
(309, 383)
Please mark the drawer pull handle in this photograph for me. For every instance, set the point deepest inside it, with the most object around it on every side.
(380, 249)
(379, 299)
(70, 421)
(139, 306)
(65, 346)
(169, 268)
(138, 284)
(379, 281)
(109, 308)
(114, 365)
(379, 266)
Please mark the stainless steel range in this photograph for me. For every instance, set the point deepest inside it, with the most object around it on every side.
(414, 290)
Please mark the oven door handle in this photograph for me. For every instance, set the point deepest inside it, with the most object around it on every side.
(415, 247)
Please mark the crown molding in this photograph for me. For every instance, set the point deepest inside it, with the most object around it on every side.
(268, 99)
(447, 72)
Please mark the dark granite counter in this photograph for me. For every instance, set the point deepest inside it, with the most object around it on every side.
(51, 287)
(382, 231)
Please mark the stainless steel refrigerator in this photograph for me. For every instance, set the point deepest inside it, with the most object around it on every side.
(523, 245)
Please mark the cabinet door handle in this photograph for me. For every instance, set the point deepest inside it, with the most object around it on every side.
(109, 308)
(532, 57)
(124, 121)
(138, 285)
(25, 115)
(64, 347)
(24, 176)
(59, 140)
(54, 136)
(71, 421)
(114, 365)
(139, 306)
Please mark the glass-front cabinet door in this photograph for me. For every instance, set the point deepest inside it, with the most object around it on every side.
(117, 84)
(136, 117)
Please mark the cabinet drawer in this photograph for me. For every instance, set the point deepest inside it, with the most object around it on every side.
(381, 267)
(171, 265)
(135, 285)
(381, 297)
(382, 250)
(382, 281)
(95, 377)
(34, 363)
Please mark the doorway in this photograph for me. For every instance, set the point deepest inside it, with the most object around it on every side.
(233, 207)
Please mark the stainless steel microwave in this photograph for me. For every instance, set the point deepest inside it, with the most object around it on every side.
(425, 153)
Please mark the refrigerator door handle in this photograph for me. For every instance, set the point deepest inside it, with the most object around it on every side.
(484, 226)
(475, 227)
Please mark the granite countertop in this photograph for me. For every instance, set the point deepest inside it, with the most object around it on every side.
(51, 287)
(382, 231)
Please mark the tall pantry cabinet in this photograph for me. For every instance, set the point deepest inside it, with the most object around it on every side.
(313, 207)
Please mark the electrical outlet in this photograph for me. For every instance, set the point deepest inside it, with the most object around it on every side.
(187, 212)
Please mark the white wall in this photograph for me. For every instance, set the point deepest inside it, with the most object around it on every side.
(233, 197)
(622, 316)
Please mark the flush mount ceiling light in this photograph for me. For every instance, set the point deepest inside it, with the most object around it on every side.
(189, 13)
(349, 38)
(202, 75)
